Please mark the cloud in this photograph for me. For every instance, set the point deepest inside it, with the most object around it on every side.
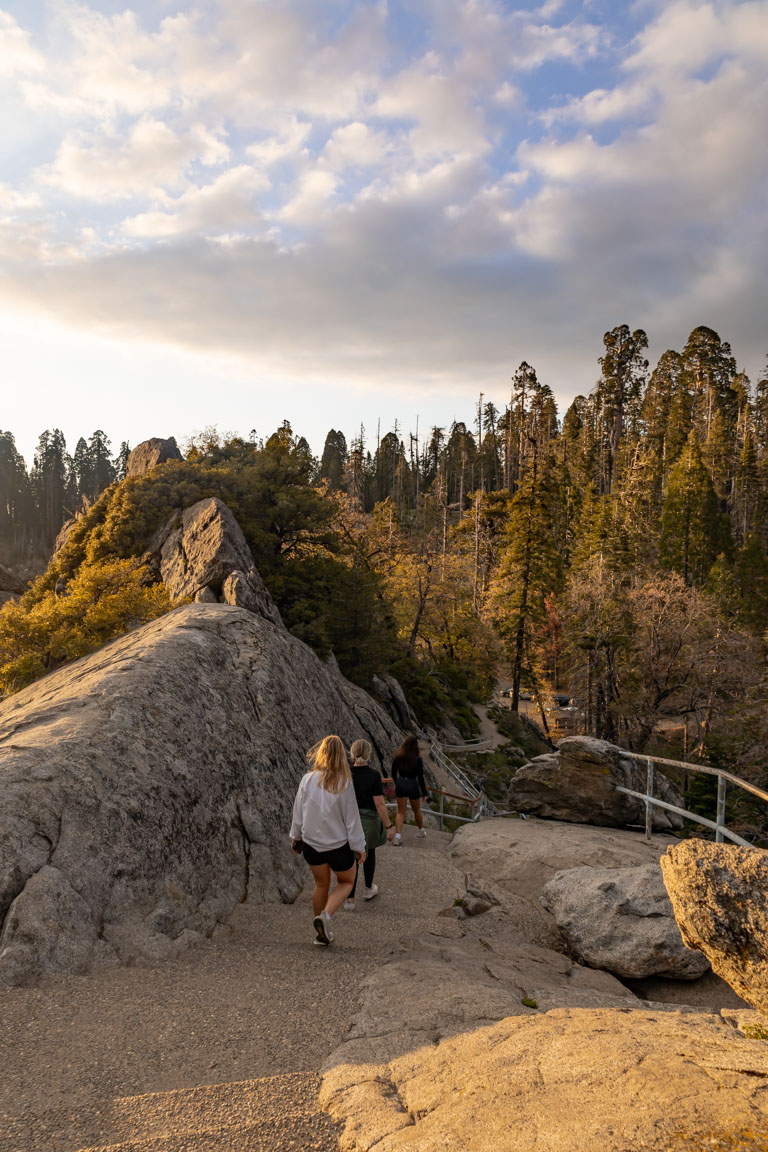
(226, 205)
(150, 159)
(689, 35)
(17, 56)
(322, 188)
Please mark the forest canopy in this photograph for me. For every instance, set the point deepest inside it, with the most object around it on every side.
(618, 551)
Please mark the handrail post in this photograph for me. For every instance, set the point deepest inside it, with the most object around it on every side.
(442, 809)
(648, 804)
(722, 784)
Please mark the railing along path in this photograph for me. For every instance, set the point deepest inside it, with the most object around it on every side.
(477, 799)
(723, 780)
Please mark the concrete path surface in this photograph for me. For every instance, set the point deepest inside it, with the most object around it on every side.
(218, 1051)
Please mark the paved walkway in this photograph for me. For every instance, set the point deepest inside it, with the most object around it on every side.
(220, 1051)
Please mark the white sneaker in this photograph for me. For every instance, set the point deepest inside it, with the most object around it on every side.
(349, 905)
(422, 832)
(369, 893)
(396, 840)
(322, 924)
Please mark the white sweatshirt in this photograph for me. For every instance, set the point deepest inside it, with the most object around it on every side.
(326, 820)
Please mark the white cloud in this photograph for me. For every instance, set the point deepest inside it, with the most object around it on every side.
(229, 203)
(313, 196)
(355, 145)
(17, 56)
(241, 134)
(287, 144)
(151, 159)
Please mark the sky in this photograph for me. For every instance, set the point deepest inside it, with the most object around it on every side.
(346, 212)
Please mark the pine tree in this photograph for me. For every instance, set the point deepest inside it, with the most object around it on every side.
(49, 481)
(529, 570)
(619, 393)
(15, 495)
(707, 370)
(334, 459)
(693, 529)
(82, 470)
(102, 468)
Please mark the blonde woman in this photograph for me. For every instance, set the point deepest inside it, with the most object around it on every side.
(378, 828)
(326, 828)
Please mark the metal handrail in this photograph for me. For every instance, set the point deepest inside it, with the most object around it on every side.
(723, 780)
(453, 770)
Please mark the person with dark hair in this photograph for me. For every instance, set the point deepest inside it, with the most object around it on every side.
(408, 775)
(375, 819)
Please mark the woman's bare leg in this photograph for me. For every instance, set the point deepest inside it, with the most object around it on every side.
(402, 804)
(322, 875)
(344, 882)
(416, 808)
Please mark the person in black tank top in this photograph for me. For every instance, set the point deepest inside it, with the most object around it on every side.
(410, 787)
(369, 793)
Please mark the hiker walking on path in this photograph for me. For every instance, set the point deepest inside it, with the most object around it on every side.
(326, 828)
(408, 775)
(377, 826)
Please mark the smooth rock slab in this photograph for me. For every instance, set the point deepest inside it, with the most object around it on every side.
(621, 920)
(719, 894)
(580, 1080)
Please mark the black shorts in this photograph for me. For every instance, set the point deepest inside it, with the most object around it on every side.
(340, 859)
(407, 787)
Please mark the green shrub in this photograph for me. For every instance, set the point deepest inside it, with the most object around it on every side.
(103, 600)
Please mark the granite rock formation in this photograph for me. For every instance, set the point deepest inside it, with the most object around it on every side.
(621, 920)
(578, 783)
(202, 553)
(611, 1079)
(480, 1038)
(147, 455)
(147, 788)
(719, 894)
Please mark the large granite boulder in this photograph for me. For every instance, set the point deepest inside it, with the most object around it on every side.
(147, 455)
(621, 920)
(202, 553)
(719, 894)
(578, 783)
(147, 788)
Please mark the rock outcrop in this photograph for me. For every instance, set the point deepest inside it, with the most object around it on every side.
(146, 789)
(574, 1060)
(147, 455)
(611, 1079)
(719, 894)
(578, 783)
(388, 690)
(621, 920)
(202, 553)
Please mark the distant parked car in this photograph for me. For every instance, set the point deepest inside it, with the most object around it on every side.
(561, 699)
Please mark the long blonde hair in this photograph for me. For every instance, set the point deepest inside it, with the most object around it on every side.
(329, 758)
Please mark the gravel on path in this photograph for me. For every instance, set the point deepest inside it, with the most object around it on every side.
(259, 1001)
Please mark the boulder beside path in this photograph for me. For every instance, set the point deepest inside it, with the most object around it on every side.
(621, 920)
(577, 783)
(719, 894)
